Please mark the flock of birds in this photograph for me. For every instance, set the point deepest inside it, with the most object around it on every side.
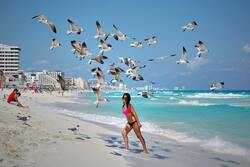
(82, 51)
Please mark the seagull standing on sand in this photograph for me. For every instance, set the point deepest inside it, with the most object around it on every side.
(99, 58)
(81, 49)
(151, 41)
(217, 86)
(98, 92)
(99, 74)
(75, 130)
(104, 47)
(74, 28)
(189, 26)
(54, 44)
(183, 59)
(201, 48)
(43, 20)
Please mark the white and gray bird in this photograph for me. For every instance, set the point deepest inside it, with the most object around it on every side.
(99, 58)
(62, 83)
(81, 49)
(99, 97)
(162, 58)
(201, 48)
(43, 20)
(217, 86)
(116, 71)
(151, 41)
(54, 44)
(74, 28)
(136, 44)
(75, 130)
(119, 35)
(131, 63)
(100, 31)
(104, 47)
(99, 74)
(183, 59)
(190, 26)
(23, 118)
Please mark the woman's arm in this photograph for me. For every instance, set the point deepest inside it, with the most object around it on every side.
(135, 115)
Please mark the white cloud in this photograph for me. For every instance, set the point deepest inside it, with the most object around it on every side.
(196, 63)
(246, 48)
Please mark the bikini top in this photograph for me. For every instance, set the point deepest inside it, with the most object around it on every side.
(126, 111)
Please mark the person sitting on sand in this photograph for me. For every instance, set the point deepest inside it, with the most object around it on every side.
(133, 122)
(11, 95)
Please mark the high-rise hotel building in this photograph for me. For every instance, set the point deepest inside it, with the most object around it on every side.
(9, 59)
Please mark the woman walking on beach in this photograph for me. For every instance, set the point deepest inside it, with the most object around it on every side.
(133, 122)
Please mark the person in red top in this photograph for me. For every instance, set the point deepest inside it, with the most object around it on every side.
(12, 95)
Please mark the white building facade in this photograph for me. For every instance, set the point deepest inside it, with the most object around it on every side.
(9, 59)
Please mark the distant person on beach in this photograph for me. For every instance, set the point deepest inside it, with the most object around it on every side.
(13, 97)
(133, 122)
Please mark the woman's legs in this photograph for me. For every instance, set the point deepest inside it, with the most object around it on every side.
(140, 137)
(125, 132)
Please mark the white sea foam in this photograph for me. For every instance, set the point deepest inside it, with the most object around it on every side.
(194, 103)
(218, 145)
(217, 95)
(214, 144)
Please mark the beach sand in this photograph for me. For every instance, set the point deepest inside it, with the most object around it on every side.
(45, 140)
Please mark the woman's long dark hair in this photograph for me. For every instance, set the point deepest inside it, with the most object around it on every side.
(128, 99)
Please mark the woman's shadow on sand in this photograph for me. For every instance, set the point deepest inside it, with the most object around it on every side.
(135, 148)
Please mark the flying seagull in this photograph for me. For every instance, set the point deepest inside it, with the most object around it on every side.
(136, 44)
(162, 58)
(54, 44)
(74, 28)
(119, 34)
(98, 92)
(151, 41)
(99, 58)
(116, 71)
(99, 74)
(81, 49)
(62, 83)
(43, 20)
(190, 26)
(104, 47)
(217, 86)
(183, 59)
(201, 48)
(100, 31)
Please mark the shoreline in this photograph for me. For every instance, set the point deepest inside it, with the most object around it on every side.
(49, 143)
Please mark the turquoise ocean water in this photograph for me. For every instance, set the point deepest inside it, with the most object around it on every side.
(218, 121)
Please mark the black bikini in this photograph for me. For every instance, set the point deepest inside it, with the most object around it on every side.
(131, 123)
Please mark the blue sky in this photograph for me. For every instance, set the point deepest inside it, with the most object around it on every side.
(223, 26)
